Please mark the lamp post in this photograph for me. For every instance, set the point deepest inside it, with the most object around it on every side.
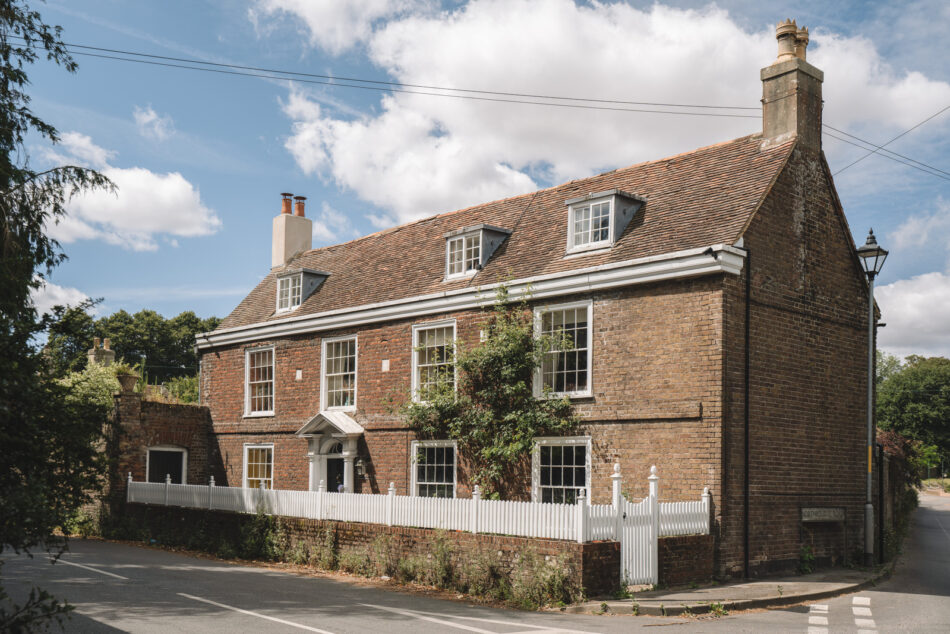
(872, 259)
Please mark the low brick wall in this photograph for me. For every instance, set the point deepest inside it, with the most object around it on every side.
(685, 559)
(596, 565)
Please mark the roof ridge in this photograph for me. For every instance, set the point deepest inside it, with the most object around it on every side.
(443, 214)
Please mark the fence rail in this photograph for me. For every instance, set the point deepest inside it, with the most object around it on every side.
(636, 525)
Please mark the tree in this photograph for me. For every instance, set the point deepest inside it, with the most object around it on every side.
(887, 366)
(915, 401)
(494, 414)
(48, 461)
(167, 345)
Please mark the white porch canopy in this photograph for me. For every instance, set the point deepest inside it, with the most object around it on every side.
(323, 432)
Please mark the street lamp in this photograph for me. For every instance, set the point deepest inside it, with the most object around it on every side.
(872, 259)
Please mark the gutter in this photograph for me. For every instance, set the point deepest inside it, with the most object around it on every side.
(669, 266)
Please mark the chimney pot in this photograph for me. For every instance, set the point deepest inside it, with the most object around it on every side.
(801, 42)
(786, 33)
(95, 342)
(298, 207)
(285, 203)
(106, 344)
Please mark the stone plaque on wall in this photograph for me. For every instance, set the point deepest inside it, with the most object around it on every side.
(822, 514)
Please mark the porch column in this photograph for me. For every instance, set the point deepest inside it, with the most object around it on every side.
(348, 458)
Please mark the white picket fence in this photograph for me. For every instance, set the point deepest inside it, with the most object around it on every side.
(637, 526)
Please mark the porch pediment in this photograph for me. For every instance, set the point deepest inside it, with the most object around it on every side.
(333, 423)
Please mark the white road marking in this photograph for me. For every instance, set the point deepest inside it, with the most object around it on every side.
(819, 607)
(258, 615)
(431, 619)
(865, 623)
(818, 620)
(867, 631)
(101, 572)
(861, 601)
(818, 630)
(861, 611)
(543, 628)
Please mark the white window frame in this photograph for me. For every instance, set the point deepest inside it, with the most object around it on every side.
(599, 244)
(273, 462)
(291, 306)
(323, 373)
(181, 450)
(539, 311)
(416, 329)
(561, 441)
(464, 238)
(425, 444)
(247, 381)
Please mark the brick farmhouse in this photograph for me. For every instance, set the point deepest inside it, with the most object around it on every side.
(717, 318)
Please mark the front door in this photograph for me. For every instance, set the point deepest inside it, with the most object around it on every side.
(335, 475)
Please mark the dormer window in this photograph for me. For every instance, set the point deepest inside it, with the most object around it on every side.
(288, 292)
(464, 255)
(295, 286)
(597, 220)
(468, 249)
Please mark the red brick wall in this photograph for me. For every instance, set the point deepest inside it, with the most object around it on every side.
(143, 424)
(685, 559)
(657, 394)
(808, 373)
(596, 565)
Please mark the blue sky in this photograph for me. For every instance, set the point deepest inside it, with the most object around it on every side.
(202, 157)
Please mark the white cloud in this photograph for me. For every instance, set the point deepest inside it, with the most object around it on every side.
(925, 228)
(151, 125)
(420, 155)
(331, 225)
(917, 313)
(333, 25)
(49, 295)
(76, 148)
(146, 205)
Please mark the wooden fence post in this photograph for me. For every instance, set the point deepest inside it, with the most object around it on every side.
(655, 523)
(390, 501)
(706, 507)
(260, 497)
(211, 493)
(582, 517)
(321, 494)
(476, 499)
(617, 481)
(168, 483)
(128, 488)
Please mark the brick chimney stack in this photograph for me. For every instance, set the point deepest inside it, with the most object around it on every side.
(791, 91)
(293, 233)
(102, 355)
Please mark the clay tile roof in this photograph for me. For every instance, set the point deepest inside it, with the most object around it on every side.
(696, 199)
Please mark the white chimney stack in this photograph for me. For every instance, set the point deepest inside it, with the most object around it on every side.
(293, 233)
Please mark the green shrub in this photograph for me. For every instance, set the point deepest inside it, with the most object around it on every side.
(385, 556)
(483, 575)
(806, 560)
(357, 562)
(325, 553)
(256, 536)
(82, 524)
(299, 554)
(536, 582)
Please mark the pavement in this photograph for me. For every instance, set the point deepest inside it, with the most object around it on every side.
(745, 595)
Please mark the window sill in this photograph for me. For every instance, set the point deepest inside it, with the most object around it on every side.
(348, 409)
(460, 276)
(259, 415)
(577, 253)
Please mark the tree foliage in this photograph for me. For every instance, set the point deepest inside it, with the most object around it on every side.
(915, 401)
(494, 415)
(48, 457)
(167, 345)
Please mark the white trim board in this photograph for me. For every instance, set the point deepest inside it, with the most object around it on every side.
(676, 265)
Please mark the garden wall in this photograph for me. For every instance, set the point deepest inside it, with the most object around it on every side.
(594, 566)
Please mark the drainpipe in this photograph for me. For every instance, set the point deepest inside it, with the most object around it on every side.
(747, 452)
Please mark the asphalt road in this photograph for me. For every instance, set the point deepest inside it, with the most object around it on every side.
(126, 588)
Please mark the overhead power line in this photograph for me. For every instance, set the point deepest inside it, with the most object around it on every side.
(394, 89)
(877, 148)
(491, 96)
